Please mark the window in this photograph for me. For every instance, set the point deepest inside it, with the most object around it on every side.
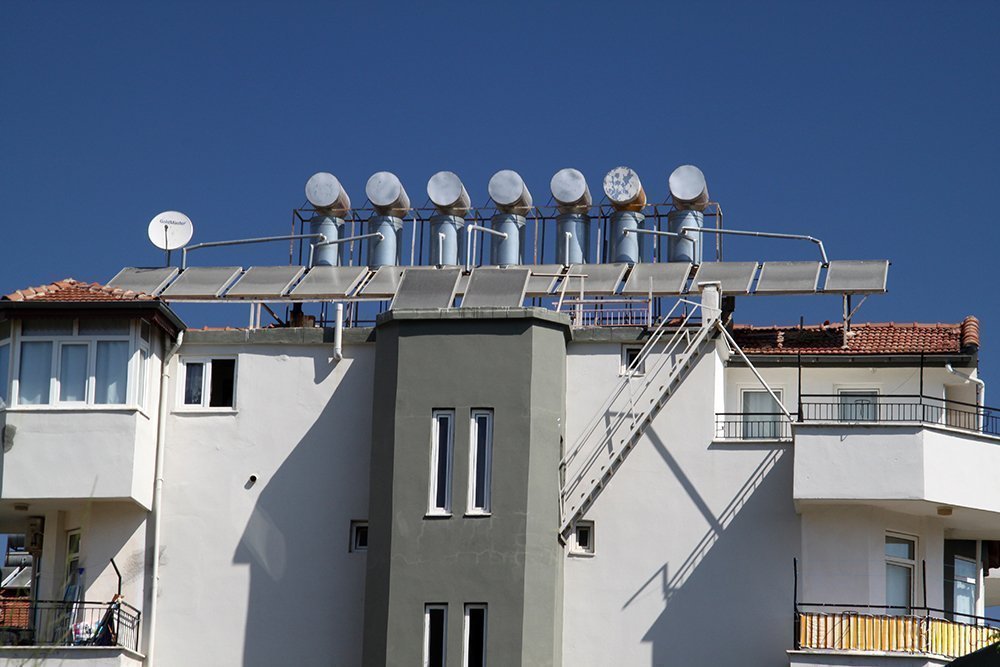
(582, 541)
(209, 383)
(72, 574)
(858, 405)
(480, 461)
(900, 563)
(4, 363)
(359, 536)
(74, 362)
(761, 415)
(435, 634)
(630, 361)
(966, 579)
(475, 635)
(442, 440)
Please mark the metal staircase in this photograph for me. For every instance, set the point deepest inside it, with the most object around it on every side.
(647, 385)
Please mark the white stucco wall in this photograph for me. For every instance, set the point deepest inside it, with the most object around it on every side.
(691, 537)
(260, 574)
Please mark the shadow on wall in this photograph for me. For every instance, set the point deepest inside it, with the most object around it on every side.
(730, 601)
(306, 591)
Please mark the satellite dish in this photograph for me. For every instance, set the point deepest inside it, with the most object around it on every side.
(170, 230)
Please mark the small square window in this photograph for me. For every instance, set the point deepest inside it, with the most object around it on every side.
(359, 536)
(631, 361)
(582, 541)
(209, 383)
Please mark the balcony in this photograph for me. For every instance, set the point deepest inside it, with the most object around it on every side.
(822, 629)
(900, 408)
(750, 426)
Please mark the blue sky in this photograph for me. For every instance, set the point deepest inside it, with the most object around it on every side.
(870, 125)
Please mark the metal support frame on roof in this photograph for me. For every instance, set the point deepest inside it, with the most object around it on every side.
(767, 235)
(262, 239)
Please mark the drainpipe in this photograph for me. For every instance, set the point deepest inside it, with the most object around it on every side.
(338, 334)
(157, 514)
(980, 388)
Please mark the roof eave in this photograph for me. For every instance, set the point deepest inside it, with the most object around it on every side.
(899, 359)
(169, 321)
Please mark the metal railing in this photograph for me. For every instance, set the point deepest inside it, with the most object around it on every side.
(890, 629)
(752, 426)
(59, 623)
(899, 408)
(596, 315)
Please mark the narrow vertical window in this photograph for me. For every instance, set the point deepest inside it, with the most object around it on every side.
(435, 634)
(223, 383)
(900, 563)
(73, 361)
(4, 372)
(111, 374)
(475, 635)
(442, 440)
(481, 461)
(194, 375)
(35, 375)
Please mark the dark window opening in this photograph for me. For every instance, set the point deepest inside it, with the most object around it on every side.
(476, 641)
(435, 647)
(223, 383)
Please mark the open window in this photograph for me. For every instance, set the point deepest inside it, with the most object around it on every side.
(208, 382)
(631, 362)
(582, 540)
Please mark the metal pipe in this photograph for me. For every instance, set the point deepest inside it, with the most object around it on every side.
(567, 237)
(468, 241)
(156, 509)
(654, 232)
(338, 333)
(769, 235)
(440, 248)
(732, 342)
(980, 388)
(262, 239)
(350, 238)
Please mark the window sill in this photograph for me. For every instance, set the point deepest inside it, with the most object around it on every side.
(72, 407)
(195, 410)
(477, 515)
(438, 515)
(581, 554)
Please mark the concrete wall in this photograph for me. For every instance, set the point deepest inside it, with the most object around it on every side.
(694, 540)
(260, 574)
(510, 560)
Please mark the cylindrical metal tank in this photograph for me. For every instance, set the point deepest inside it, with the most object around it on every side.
(509, 193)
(447, 250)
(387, 195)
(572, 237)
(685, 249)
(325, 193)
(507, 251)
(449, 196)
(630, 248)
(330, 227)
(624, 190)
(688, 188)
(569, 189)
(384, 251)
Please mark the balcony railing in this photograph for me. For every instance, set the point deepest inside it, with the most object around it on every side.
(57, 623)
(876, 409)
(752, 426)
(916, 630)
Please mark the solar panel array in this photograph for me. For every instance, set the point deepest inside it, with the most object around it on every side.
(495, 287)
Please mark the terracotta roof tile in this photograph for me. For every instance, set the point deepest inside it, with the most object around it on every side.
(70, 290)
(874, 338)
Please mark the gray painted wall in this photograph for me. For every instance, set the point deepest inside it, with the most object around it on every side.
(510, 560)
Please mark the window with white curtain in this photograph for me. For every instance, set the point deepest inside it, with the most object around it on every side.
(66, 361)
(761, 415)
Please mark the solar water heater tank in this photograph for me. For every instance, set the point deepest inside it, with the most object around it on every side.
(624, 190)
(331, 202)
(689, 192)
(572, 196)
(513, 201)
(391, 203)
(452, 201)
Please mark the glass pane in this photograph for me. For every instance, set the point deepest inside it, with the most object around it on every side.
(144, 330)
(441, 465)
(965, 600)
(35, 374)
(477, 637)
(143, 363)
(482, 461)
(965, 569)
(897, 547)
(73, 373)
(47, 327)
(898, 583)
(435, 637)
(104, 325)
(761, 415)
(111, 374)
(194, 374)
(223, 376)
(4, 373)
(858, 406)
(4, 329)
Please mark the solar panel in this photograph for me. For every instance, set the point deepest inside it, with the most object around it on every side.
(665, 279)
(788, 278)
(264, 282)
(201, 282)
(498, 288)
(598, 279)
(857, 276)
(384, 283)
(147, 281)
(541, 278)
(734, 277)
(329, 282)
(426, 289)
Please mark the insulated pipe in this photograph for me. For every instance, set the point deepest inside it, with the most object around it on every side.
(263, 239)
(387, 195)
(338, 334)
(688, 188)
(509, 193)
(766, 235)
(980, 387)
(156, 510)
(624, 190)
(469, 229)
(327, 195)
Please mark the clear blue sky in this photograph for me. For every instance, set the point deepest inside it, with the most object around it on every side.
(871, 125)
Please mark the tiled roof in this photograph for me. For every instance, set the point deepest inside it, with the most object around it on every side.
(69, 290)
(885, 338)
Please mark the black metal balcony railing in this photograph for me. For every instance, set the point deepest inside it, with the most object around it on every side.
(899, 408)
(752, 426)
(58, 623)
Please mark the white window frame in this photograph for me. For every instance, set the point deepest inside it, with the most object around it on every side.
(74, 338)
(974, 581)
(641, 370)
(5, 384)
(427, 632)
(779, 391)
(432, 507)
(474, 462)
(465, 631)
(206, 383)
(910, 564)
(847, 390)
(575, 549)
